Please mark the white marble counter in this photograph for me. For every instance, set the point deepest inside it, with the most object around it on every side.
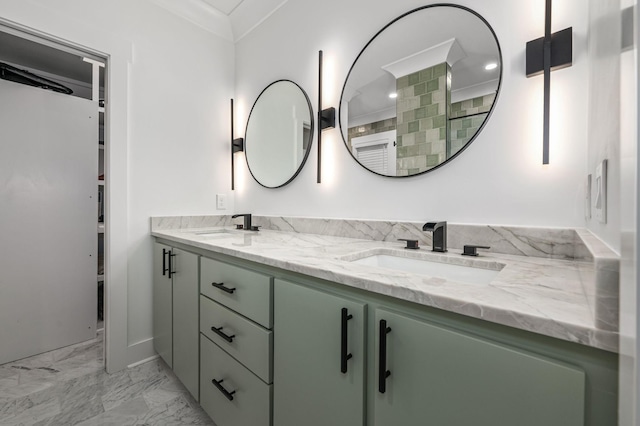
(547, 296)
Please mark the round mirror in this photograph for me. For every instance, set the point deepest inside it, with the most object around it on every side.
(421, 90)
(278, 136)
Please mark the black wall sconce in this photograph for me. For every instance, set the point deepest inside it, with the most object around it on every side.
(326, 117)
(549, 53)
(237, 145)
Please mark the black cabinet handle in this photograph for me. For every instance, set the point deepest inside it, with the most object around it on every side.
(226, 393)
(171, 256)
(222, 334)
(344, 356)
(383, 373)
(164, 261)
(221, 286)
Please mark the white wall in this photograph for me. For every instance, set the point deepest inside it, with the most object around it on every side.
(499, 179)
(604, 111)
(170, 84)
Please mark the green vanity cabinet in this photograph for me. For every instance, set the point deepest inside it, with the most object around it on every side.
(162, 304)
(278, 348)
(454, 379)
(175, 312)
(236, 344)
(319, 358)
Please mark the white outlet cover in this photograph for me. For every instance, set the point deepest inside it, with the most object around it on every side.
(600, 187)
(221, 201)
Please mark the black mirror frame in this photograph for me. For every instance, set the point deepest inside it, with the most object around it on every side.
(311, 130)
(371, 41)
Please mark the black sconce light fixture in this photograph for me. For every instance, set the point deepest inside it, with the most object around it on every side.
(326, 117)
(237, 145)
(549, 53)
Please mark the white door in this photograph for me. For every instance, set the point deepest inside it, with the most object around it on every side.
(376, 152)
(48, 220)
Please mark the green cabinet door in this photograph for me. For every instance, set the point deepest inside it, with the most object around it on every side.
(162, 303)
(441, 377)
(309, 385)
(186, 300)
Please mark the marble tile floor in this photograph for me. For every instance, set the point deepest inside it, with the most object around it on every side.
(69, 386)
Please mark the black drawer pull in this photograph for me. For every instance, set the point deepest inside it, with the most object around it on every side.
(226, 393)
(164, 262)
(383, 373)
(221, 286)
(344, 356)
(222, 334)
(171, 256)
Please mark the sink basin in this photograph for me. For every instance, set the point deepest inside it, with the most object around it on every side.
(450, 272)
(215, 233)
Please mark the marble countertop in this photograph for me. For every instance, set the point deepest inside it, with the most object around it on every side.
(545, 296)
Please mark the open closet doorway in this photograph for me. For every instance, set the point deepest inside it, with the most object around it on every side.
(52, 194)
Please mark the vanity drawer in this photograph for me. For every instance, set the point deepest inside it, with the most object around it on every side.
(248, 293)
(251, 344)
(250, 404)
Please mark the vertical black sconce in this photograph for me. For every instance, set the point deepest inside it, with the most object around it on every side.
(326, 117)
(549, 53)
(237, 145)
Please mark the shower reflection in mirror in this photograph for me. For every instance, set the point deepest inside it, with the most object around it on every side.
(420, 90)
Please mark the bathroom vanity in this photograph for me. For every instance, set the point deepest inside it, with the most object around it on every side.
(293, 328)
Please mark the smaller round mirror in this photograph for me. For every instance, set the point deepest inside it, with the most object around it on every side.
(278, 136)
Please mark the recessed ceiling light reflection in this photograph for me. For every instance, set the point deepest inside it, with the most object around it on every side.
(491, 66)
(393, 95)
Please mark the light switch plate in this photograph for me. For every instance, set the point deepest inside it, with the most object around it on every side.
(600, 187)
(221, 201)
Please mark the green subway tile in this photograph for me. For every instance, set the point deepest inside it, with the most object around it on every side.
(461, 134)
(401, 151)
(414, 171)
(432, 110)
(426, 124)
(426, 99)
(477, 102)
(408, 116)
(433, 85)
(413, 150)
(414, 78)
(403, 128)
(466, 123)
(456, 107)
(456, 125)
(426, 74)
(433, 135)
(419, 89)
(433, 160)
(485, 108)
(399, 140)
(402, 82)
(414, 126)
(423, 149)
(421, 136)
(439, 121)
(421, 113)
(440, 70)
(443, 132)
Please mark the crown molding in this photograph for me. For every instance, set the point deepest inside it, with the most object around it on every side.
(201, 14)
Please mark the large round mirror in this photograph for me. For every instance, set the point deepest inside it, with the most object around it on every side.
(278, 136)
(421, 90)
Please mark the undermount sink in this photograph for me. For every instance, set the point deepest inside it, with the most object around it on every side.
(448, 271)
(214, 233)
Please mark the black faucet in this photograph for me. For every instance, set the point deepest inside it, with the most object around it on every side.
(247, 220)
(439, 230)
